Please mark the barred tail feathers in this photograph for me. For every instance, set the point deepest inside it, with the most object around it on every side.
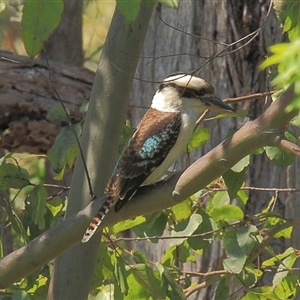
(97, 220)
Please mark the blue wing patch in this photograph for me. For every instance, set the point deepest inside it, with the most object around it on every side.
(150, 147)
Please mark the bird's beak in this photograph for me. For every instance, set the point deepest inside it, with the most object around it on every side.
(217, 105)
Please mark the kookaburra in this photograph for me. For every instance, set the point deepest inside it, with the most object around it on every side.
(159, 139)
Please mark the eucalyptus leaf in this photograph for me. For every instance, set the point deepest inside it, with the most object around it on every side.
(238, 245)
(170, 3)
(189, 228)
(129, 8)
(13, 176)
(39, 20)
(128, 224)
(233, 181)
(64, 148)
(228, 212)
(121, 274)
(198, 138)
(167, 276)
(144, 275)
(57, 114)
(36, 200)
(280, 157)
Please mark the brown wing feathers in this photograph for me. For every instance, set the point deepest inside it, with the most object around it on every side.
(149, 145)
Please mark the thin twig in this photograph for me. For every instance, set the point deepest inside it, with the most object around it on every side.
(56, 186)
(262, 189)
(189, 291)
(233, 225)
(91, 192)
(248, 97)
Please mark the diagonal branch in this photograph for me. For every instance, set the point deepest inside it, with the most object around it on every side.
(264, 131)
(290, 146)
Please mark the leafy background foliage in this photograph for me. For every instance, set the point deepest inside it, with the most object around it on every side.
(214, 213)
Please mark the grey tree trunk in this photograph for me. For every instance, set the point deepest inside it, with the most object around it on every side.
(184, 40)
(72, 274)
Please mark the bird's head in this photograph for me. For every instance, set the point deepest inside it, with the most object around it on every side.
(181, 91)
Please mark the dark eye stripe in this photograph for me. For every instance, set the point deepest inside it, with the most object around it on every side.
(191, 93)
(184, 91)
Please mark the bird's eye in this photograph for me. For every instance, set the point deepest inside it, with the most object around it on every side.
(201, 92)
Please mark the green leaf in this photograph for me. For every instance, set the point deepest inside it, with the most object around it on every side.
(250, 275)
(180, 253)
(136, 291)
(228, 212)
(129, 8)
(107, 293)
(290, 136)
(104, 269)
(288, 288)
(12, 176)
(121, 274)
(287, 57)
(219, 198)
(283, 269)
(263, 293)
(176, 289)
(234, 181)
(186, 229)
(276, 58)
(2, 6)
(144, 275)
(84, 107)
(170, 3)
(238, 245)
(245, 238)
(289, 14)
(280, 157)
(36, 200)
(39, 19)
(273, 222)
(39, 285)
(184, 254)
(243, 197)
(198, 138)
(207, 225)
(15, 221)
(169, 256)
(222, 291)
(20, 295)
(127, 224)
(154, 226)
(55, 205)
(278, 257)
(182, 211)
(241, 165)
(57, 114)
(285, 233)
(63, 146)
(139, 257)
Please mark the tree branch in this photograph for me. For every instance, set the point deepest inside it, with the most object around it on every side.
(291, 147)
(264, 131)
